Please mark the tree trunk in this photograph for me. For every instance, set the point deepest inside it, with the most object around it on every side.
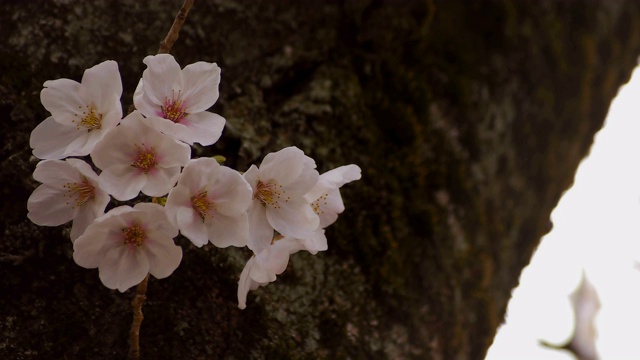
(468, 120)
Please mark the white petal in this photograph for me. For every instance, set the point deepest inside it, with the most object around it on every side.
(200, 82)
(284, 165)
(82, 220)
(224, 231)
(334, 179)
(162, 77)
(50, 139)
(329, 208)
(192, 227)
(198, 174)
(231, 192)
(179, 197)
(160, 181)
(316, 242)
(91, 247)
(48, 207)
(144, 104)
(294, 218)
(171, 152)
(251, 175)
(123, 267)
(163, 254)
(245, 284)
(260, 231)
(63, 98)
(204, 128)
(56, 173)
(123, 182)
(103, 83)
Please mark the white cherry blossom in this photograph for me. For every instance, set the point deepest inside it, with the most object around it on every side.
(135, 157)
(210, 203)
(325, 196)
(128, 243)
(279, 186)
(174, 100)
(81, 113)
(264, 267)
(70, 190)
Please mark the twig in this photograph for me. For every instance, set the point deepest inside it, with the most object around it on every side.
(134, 334)
(172, 36)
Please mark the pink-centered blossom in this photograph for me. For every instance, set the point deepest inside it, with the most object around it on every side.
(70, 190)
(279, 186)
(210, 203)
(81, 113)
(325, 197)
(174, 100)
(135, 157)
(128, 243)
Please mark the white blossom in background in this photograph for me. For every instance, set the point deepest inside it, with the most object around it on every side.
(135, 157)
(279, 186)
(210, 203)
(264, 267)
(81, 113)
(128, 243)
(174, 100)
(325, 196)
(70, 190)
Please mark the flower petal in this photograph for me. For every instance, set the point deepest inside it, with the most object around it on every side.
(123, 182)
(50, 139)
(123, 267)
(56, 173)
(63, 98)
(160, 181)
(192, 227)
(245, 284)
(200, 82)
(294, 218)
(161, 79)
(103, 83)
(204, 128)
(230, 191)
(260, 231)
(224, 231)
(163, 254)
(49, 207)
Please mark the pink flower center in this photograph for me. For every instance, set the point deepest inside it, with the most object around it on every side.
(89, 119)
(203, 205)
(269, 194)
(145, 158)
(80, 193)
(134, 235)
(173, 109)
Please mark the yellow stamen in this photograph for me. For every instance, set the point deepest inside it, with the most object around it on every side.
(145, 158)
(270, 194)
(134, 235)
(89, 119)
(203, 205)
(80, 192)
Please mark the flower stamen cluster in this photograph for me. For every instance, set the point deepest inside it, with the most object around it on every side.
(173, 109)
(80, 192)
(269, 194)
(90, 119)
(145, 158)
(133, 235)
(202, 205)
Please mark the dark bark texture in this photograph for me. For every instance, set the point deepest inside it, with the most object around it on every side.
(468, 119)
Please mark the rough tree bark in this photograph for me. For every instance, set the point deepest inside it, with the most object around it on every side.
(468, 119)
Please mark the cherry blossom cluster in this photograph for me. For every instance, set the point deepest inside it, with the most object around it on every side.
(90, 153)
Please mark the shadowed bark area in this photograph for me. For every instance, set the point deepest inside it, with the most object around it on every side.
(468, 120)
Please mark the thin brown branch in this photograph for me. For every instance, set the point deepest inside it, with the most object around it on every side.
(172, 36)
(134, 334)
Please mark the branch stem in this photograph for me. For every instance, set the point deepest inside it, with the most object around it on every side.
(134, 333)
(172, 35)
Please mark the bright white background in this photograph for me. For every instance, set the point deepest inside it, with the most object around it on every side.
(596, 228)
